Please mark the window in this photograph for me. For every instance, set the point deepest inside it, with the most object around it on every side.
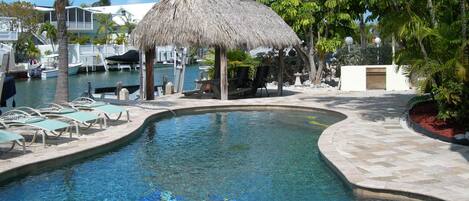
(46, 17)
(54, 17)
(87, 16)
(80, 15)
(72, 15)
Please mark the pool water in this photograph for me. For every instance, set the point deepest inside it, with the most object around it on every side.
(35, 92)
(237, 155)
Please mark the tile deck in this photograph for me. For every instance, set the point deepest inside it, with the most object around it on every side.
(371, 148)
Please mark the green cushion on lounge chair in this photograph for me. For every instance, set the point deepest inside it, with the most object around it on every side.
(110, 109)
(95, 104)
(81, 116)
(64, 111)
(50, 125)
(31, 120)
(57, 111)
(6, 136)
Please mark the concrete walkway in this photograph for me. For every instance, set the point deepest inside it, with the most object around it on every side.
(370, 148)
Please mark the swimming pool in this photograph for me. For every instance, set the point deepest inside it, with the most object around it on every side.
(232, 155)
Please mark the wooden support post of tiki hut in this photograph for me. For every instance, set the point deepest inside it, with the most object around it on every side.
(223, 74)
(141, 75)
(217, 64)
(149, 79)
(281, 67)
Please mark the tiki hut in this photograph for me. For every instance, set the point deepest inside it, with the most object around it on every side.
(222, 24)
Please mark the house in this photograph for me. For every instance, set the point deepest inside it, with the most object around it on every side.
(79, 20)
(82, 20)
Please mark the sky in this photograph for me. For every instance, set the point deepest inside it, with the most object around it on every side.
(78, 2)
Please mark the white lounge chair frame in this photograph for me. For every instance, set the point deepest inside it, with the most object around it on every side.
(79, 103)
(9, 117)
(76, 122)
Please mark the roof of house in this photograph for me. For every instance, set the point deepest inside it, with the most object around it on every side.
(137, 11)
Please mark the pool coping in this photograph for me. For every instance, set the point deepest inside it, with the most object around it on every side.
(361, 187)
(367, 188)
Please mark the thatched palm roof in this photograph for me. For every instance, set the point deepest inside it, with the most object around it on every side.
(209, 23)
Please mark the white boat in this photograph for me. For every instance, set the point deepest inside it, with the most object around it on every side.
(204, 68)
(72, 70)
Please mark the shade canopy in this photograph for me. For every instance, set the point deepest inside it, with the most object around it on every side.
(226, 24)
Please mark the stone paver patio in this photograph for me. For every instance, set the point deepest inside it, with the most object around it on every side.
(371, 149)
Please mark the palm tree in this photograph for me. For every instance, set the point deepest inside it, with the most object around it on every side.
(51, 33)
(107, 26)
(101, 3)
(61, 91)
(67, 3)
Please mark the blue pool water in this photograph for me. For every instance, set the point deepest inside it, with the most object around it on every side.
(237, 155)
(36, 91)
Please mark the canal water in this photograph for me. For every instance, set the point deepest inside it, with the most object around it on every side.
(34, 92)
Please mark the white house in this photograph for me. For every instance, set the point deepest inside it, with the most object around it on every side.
(82, 20)
(79, 20)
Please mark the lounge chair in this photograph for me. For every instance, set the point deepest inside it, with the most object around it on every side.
(10, 137)
(85, 103)
(19, 117)
(87, 119)
(245, 87)
(260, 80)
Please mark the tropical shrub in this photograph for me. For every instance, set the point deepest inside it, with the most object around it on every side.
(236, 59)
(433, 43)
(452, 99)
(82, 40)
(120, 39)
(32, 51)
(366, 56)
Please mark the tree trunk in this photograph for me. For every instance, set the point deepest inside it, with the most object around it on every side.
(362, 31)
(302, 53)
(463, 20)
(307, 56)
(149, 78)
(432, 13)
(311, 53)
(322, 62)
(423, 50)
(61, 91)
(52, 45)
(280, 72)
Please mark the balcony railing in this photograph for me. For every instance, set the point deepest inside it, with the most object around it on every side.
(77, 26)
(8, 35)
(9, 29)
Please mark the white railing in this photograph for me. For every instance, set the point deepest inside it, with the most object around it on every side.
(9, 29)
(8, 36)
(76, 26)
(89, 55)
(92, 55)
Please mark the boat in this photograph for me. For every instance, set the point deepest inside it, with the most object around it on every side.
(127, 60)
(34, 71)
(50, 73)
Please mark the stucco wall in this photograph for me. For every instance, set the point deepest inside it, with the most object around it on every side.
(353, 78)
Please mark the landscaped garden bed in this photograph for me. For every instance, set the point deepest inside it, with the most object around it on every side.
(423, 119)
